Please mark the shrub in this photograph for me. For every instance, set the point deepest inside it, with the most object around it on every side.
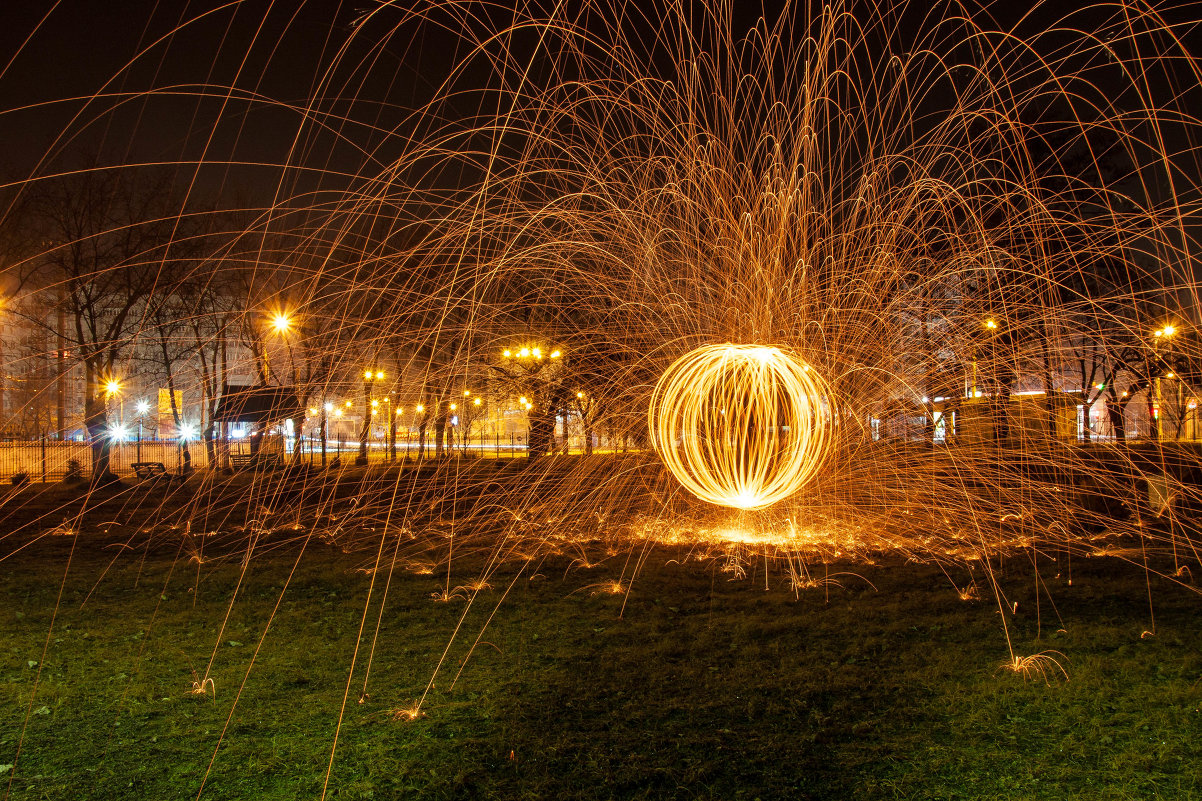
(74, 474)
(19, 479)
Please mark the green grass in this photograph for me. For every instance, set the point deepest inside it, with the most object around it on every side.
(700, 688)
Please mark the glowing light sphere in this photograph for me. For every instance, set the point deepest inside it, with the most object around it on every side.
(743, 426)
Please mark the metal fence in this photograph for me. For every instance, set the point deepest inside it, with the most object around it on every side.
(49, 460)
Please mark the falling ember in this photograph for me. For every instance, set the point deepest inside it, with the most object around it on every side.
(743, 426)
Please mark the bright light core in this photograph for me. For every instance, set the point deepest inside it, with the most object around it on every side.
(743, 426)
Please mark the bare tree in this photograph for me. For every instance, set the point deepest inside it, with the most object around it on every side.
(107, 234)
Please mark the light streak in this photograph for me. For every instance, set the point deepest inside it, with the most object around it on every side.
(743, 426)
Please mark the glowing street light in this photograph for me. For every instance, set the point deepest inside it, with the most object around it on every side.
(143, 407)
(112, 387)
(1167, 331)
(281, 323)
(371, 409)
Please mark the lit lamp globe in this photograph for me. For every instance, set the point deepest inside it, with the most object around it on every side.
(742, 426)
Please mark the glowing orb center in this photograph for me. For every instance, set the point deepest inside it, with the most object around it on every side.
(741, 425)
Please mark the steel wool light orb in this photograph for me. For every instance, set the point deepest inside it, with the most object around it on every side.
(743, 426)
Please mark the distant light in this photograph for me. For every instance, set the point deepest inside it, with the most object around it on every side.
(281, 323)
(990, 323)
(329, 407)
(506, 353)
(477, 401)
(379, 374)
(1168, 330)
(312, 410)
(112, 386)
(420, 408)
(522, 400)
(143, 407)
(367, 374)
(187, 432)
(338, 413)
(375, 404)
(524, 352)
(555, 354)
(237, 433)
(579, 396)
(538, 353)
(117, 433)
(453, 407)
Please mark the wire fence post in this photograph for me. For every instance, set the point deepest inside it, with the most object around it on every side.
(43, 456)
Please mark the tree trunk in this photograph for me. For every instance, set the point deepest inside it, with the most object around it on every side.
(440, 433)
(100, 439)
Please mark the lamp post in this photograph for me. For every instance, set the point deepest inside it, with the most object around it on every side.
(529, 362)
(326, 408)
(1161, 336)
(393, 414)
(370, 376)
(143, 407)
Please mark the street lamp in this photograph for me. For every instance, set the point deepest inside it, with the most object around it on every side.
(370, 376)
(143, 407)
(1160, 335)
(532, 360)
(112, 386)
(281, 323)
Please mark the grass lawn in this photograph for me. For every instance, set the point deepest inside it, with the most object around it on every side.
(883, 684)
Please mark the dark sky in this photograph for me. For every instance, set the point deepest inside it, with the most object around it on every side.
(139, 80)
(188, 55)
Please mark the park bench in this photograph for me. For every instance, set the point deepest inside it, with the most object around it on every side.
(149, 470)
(240, 460)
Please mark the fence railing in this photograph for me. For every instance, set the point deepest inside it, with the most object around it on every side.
(49, 461)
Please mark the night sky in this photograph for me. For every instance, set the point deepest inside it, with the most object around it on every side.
(216, 83)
